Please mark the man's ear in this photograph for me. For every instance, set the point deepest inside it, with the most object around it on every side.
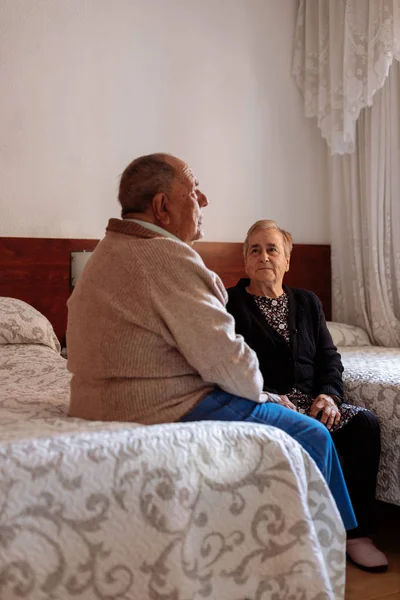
(160, 208)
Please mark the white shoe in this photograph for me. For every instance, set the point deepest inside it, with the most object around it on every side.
(363, 553)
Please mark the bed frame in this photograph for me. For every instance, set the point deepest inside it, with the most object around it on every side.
(37, 270)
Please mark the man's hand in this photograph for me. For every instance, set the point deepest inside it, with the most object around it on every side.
(286, 402)
(277, 399)
(326, 405)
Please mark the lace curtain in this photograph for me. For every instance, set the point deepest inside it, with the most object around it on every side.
(365, 220)
(342, 54)
(344, 50)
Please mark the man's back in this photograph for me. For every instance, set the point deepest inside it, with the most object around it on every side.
(140, 342)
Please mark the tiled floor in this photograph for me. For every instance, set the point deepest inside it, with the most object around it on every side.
(380, 586)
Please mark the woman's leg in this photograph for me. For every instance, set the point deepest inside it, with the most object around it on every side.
(314, 437)
(358, 443)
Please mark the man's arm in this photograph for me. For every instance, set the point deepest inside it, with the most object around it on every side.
(191, 301)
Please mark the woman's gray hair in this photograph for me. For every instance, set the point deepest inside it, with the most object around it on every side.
(268, 224)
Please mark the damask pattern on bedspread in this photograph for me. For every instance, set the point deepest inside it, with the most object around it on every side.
(168, 512)
(372, 379)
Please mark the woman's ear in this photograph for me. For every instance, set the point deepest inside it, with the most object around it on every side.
(287, 264)
(160, 208)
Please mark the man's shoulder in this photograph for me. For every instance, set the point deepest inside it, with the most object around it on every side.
(176, 251)
(169, 258)
(160, 258)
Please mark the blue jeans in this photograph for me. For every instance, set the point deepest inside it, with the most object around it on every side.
(309, 433)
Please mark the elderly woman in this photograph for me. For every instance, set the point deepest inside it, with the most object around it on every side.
(286, 328)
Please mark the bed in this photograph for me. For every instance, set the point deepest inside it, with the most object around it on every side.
(170, 512)
(372, 379)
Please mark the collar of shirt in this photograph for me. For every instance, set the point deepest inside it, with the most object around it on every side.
(155, 228)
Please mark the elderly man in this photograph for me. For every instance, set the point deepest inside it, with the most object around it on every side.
(148, 334)
(149, 338)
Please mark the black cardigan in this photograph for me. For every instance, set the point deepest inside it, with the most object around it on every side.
(310, 362)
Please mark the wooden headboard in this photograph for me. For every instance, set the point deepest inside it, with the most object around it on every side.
(37, 270)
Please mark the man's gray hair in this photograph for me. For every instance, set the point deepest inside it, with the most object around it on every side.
(145, 177)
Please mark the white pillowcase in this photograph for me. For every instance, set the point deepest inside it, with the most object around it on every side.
(348, 335)
(20, 323)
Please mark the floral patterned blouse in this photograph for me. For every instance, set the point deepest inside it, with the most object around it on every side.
(276, 312)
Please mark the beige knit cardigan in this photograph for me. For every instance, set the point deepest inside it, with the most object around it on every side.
(148, 335)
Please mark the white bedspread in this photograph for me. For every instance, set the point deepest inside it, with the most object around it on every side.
(168, 512)
(372, 379)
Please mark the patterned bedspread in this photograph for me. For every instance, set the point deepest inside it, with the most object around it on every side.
(372, 379)
(169, 512)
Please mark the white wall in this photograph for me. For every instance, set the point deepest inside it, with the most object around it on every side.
(88, 85)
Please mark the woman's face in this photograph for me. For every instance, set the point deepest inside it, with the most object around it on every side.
(266, 261)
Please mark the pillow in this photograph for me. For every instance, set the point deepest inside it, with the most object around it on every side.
(20, 323)
(348, 335)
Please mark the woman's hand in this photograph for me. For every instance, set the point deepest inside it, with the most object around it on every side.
(326, 405)
(277, 399)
